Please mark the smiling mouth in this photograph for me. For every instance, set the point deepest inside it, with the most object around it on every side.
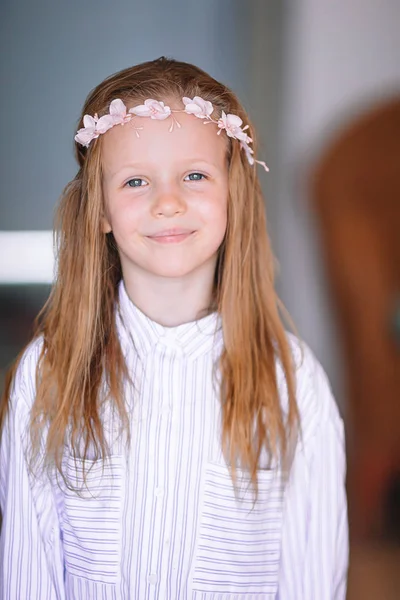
(171, 236)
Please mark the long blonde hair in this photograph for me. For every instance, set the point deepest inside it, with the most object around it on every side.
(77, 324)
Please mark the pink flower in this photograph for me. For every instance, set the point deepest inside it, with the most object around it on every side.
(88, 132)
(118, 112)
(93, 126)
(198, 107)
(105, 123)
(117, 116)
(153, 109)
(232, 125)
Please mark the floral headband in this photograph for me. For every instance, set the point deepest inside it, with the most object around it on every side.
(202, 109)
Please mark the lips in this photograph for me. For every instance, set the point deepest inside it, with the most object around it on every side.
(171, 236)
(171, 232)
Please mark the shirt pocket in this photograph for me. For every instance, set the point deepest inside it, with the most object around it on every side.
(239, 539)
(91, 523)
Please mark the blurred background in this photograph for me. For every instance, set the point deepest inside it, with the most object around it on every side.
(321, 81)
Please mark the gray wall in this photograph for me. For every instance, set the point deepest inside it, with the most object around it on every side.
(340, 57)
(53, 53)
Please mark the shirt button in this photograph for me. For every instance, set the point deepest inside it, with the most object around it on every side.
(159, 492)
(152, 578)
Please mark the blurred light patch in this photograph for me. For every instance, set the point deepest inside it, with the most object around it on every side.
(26, 257)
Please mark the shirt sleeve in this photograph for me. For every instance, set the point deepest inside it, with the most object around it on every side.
(314, 552)
(326, 556)
(30, 560)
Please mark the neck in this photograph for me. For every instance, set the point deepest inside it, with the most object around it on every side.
(170, 301)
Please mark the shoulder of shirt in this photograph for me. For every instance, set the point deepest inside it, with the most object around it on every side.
(23, 389)
(316, 404)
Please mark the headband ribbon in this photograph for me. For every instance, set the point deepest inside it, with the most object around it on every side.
(202, 109)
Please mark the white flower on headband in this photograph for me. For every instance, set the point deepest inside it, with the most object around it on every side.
(118, 113)
(198, 107)
(93, 126)
(153, 109)
(88, 132)
(233, 127)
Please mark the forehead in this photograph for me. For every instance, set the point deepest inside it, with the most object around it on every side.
(154, 143)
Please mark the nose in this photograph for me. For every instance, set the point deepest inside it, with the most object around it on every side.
(168, 203)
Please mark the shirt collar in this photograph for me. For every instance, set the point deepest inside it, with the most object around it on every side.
(192, 339)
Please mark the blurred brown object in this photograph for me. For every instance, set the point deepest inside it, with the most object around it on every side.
(374, 573)
(356, 194)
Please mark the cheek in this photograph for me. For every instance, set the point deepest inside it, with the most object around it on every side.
(221, 221)
(215, 207)
(218, 215)
(125, 216)
(215, 219)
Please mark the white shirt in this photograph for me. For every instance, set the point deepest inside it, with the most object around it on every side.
(161, 521)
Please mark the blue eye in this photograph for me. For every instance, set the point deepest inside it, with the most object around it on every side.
(195, 176)
(135, 182)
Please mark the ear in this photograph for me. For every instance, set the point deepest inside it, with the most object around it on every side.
(105, 225)
(105, 221)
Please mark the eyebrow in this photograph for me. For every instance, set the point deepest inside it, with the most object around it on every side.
(143, 166)
(135, 166)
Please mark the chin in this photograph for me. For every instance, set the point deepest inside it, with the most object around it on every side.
(174, 267)
(170, 271)
(184, 265)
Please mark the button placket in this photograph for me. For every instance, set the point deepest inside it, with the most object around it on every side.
(162, 415)
(171, 532)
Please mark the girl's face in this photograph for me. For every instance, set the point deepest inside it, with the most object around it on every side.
(166, 196)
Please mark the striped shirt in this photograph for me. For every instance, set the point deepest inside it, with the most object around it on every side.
(160, 520)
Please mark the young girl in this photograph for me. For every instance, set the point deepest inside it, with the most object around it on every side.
(163, 436)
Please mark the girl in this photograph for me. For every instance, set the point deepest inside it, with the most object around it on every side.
(163, 437)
